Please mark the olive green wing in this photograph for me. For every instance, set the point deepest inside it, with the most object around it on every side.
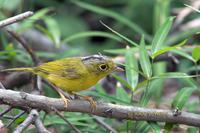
(69, 68)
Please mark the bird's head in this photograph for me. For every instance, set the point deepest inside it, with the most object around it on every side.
(100, 65)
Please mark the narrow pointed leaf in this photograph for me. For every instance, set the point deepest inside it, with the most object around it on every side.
(184, 54)
(174, 75)
(161, 34)
(131, 74)
(144, 59)
(182, 97)
(53, 28)
(196, 53)
(36, 16)
(166, 49)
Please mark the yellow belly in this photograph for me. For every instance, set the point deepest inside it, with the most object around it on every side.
(73, 85)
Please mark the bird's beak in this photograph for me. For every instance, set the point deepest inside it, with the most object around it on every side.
(118, 69)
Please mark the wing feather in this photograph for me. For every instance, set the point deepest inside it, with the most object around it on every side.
(69, 68)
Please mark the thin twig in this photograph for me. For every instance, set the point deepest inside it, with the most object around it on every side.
(36, 61)
(26, 101)
(104, 125)
(2, 86)
(62, 117)
(26, 47)
(28, 121)
(184, 13)
(40, 127)
(15, 19)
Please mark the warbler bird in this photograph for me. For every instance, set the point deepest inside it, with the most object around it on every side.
(74, 74)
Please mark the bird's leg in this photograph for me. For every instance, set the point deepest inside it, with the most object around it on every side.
(66, 100)
(93, 103)
(63, 97)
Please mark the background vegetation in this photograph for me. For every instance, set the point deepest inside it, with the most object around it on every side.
(160, 53)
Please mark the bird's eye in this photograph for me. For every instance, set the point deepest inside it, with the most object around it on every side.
(103, 67)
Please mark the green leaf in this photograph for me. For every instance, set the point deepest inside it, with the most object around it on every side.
(40, 14)
(196, 53)
(91, 34)
(36, 16)
(184, 54)
(116, 16)
(164, 50)
(182, 97)
(173, 75)
(19, 120)
(132, 66)
(154, 126)
(161, 34)
(144, 59)
(189, 82)
(53, 28)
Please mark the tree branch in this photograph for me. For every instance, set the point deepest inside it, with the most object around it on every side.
(15, 19)
(40, 127)
(26, 101)
(28, 121)
(25, 45)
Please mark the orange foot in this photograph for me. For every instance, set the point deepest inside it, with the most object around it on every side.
(93, 103)
(65, 100)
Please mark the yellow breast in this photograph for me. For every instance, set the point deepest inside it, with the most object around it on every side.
(75, 84)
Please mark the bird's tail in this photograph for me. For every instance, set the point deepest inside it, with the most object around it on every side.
(23, 69)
